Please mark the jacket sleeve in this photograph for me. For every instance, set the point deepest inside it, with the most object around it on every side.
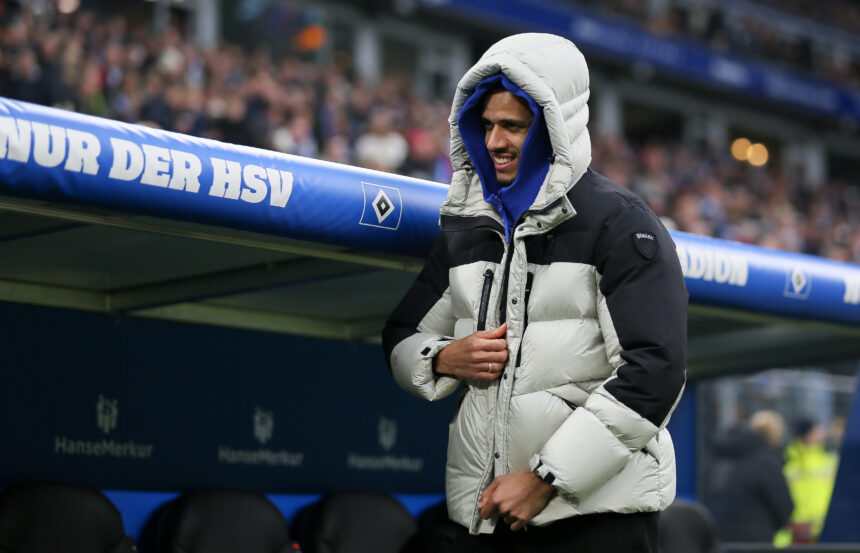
(642, 311)
(420, 326)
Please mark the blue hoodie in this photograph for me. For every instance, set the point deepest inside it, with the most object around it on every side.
(513, 200)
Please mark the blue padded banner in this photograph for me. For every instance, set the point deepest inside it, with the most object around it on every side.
(54, 155)
(749, 278)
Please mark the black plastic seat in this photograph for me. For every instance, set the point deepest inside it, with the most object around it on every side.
(436, 532)
(222, 521)
(687, 527)
(49, 518)
(356, 522)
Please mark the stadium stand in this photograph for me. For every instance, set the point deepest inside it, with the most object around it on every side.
(112, 68)
(804, 36)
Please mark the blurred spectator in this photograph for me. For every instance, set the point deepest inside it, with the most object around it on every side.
(747, 492)
(381, 147)
(811, 471)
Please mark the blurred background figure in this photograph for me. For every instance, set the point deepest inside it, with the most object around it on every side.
(811, 470)
(381, 147)
(747, 493)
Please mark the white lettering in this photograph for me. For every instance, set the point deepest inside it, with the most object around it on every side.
(127, 160)
(156, 169)
(84, 150)
(256, 191)
(186, 171)
(384, 462)
(249, 183)
(696, 264)
(14, 139)
(227, 179)
(852, 290)
(103, 448)
(49, 144)
(260, 457)
(281, 184)
(713, 265)
(722, 268)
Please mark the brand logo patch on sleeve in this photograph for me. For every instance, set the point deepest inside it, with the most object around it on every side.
(646, 243)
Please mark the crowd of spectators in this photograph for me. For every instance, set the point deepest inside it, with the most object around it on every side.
(759, 34)
(104, 66)
(712, 194)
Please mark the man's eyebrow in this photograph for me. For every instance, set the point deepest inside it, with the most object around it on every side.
(508, 121)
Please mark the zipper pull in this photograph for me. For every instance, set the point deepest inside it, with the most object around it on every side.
(485, 300)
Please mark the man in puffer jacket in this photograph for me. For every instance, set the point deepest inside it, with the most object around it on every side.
(554, 301)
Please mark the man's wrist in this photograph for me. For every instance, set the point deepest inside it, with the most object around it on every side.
(434, 353)
(439, 367)
(543, 473)
(435, 364)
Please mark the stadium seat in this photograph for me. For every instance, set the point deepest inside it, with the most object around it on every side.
(221, 521)
(687, 527)
(355, 522)
(52, 518)
(436, 532)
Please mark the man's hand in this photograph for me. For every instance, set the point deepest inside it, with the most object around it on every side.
(516, 498)
(479, 356)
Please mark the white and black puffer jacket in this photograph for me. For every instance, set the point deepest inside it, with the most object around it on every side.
(592, 291)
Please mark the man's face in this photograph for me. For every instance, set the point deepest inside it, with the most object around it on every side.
(506, 124)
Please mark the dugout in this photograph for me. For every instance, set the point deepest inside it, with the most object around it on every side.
(178, 313)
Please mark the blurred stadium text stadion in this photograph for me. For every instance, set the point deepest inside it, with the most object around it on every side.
(208, 208)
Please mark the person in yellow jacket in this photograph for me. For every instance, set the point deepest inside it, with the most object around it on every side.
(810, 470)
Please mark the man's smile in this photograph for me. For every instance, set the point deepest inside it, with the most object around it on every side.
(502, 160)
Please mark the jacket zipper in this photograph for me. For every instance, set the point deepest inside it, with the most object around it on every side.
(485, 299)
(504, 299)
(529, 278)
(547, 253)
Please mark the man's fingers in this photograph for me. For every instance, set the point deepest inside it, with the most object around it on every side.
(484, 357)
(498, 332)
(496, 344)
(486, 506)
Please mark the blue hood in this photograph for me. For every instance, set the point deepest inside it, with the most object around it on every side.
(513, 200)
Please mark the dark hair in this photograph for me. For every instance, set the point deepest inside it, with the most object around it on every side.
(499, 87)
(803, 426)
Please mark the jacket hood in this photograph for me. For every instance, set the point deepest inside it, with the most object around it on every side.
(512, 200)
(551, 72)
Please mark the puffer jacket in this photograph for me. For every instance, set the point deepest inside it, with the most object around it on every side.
(591, 289)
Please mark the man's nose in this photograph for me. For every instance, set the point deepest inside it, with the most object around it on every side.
(496, 138)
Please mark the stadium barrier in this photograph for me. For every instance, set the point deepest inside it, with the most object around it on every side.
(59, 156)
